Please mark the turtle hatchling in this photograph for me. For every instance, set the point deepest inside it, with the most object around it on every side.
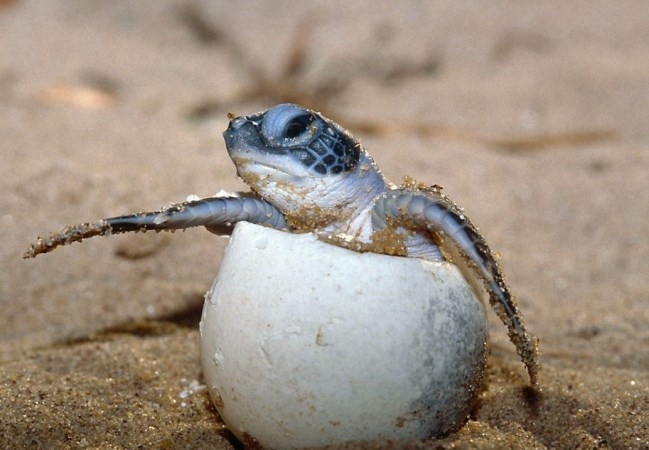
(309, 175)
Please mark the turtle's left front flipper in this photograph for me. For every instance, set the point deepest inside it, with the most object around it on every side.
(217, 214)
(418, 208)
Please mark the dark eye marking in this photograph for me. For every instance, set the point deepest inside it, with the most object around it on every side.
(320, 168)
(298, 125)
(329, 160)
(313, 141)
(304, 156)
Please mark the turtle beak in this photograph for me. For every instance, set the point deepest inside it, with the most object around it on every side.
(241, 136)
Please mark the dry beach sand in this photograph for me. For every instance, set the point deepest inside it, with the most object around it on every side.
(533, 117)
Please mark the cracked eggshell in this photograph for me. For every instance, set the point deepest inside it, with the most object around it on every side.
(307, 344)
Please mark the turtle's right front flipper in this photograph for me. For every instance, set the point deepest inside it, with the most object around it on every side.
(418, 208)
(217, 214)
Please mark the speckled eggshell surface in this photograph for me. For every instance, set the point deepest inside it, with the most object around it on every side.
(307, 344)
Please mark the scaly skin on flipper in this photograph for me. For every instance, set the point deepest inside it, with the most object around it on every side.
(307, 174)
(217, 214)
(419, 208)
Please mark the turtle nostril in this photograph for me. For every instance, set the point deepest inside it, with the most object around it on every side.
(237, 123)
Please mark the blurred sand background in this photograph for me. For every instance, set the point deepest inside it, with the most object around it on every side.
(534, 117)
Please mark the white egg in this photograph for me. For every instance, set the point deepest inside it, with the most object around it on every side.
(307, 344)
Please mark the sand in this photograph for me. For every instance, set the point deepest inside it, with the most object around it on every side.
(532, 116)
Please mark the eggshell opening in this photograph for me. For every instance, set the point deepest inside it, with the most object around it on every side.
(307, 344)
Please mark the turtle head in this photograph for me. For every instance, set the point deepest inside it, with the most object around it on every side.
(292, 140)
(299, 160)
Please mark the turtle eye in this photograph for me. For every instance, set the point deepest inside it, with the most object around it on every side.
(298, 125)
(289, 126)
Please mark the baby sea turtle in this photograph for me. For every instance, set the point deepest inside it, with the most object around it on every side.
(307, 174)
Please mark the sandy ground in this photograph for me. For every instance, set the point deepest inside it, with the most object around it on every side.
(533, 117)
